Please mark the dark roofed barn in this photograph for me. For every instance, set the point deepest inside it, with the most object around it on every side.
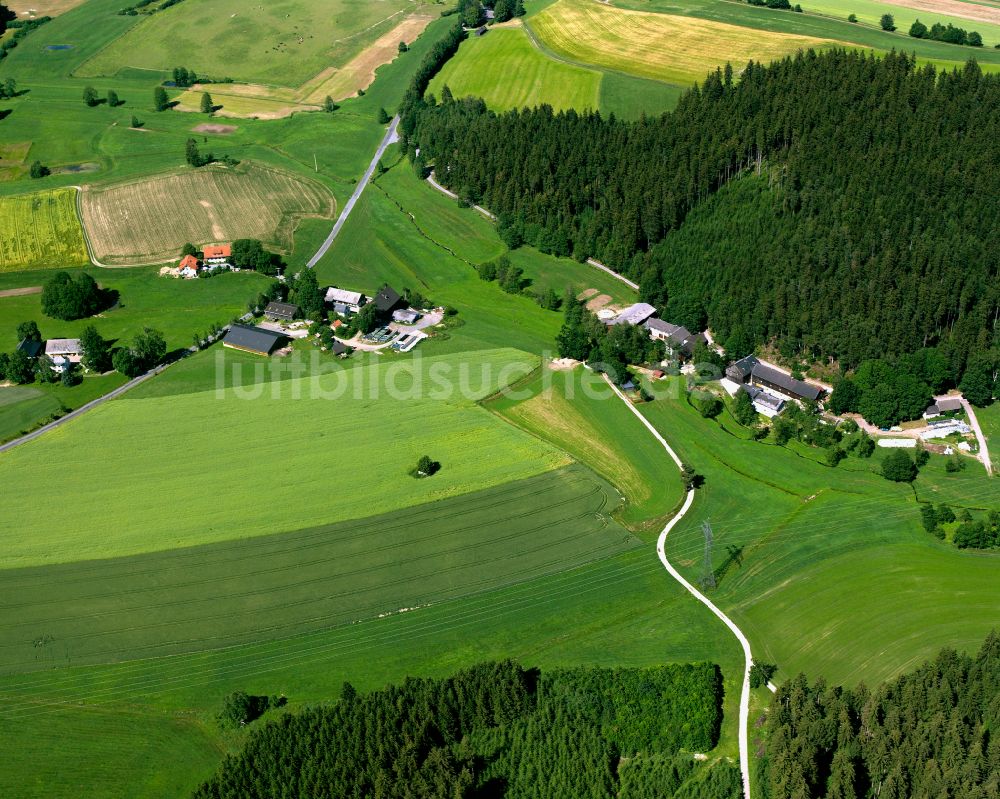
(786, 384)
(30, 347)
(281, 311)
(387, 299)
(252, 339)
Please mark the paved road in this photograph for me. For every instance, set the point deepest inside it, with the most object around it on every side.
(391, 136)
(84, 408)
(660, 544)
(984, 453)
(613, 273)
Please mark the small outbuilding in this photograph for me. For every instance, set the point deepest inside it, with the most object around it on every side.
(633, 315)
(256, 340)
(281, 311)
(405, 316)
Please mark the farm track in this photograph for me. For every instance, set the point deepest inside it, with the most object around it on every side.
(744, 721)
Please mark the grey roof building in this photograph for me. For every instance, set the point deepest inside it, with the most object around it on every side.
(943, 405)
(281, 311)
(677, 337)
(751, 370)
(252, 339)
(386, 299)
(634, 314)
(30, 347)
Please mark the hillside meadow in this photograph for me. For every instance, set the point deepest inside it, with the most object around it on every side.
(816, 563)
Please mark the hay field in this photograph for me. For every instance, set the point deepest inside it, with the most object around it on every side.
(41, 230)
(508, 71)
(148, 221)
(283, 43)
(664, 47)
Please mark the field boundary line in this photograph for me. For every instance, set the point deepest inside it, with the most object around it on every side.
(744, 642)
(590, 261)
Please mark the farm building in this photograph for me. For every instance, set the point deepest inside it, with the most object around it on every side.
(339, 347)
(253, 339)
(481, 31)
(188, 267)
(633, 315)
(281, 311)
(752, 371)
(387, 299)
(405, 316)
(218, 254)
(679, 340)
(62, 352)
(31, 348)
(767, 404)
(943, 405)
(344, 302)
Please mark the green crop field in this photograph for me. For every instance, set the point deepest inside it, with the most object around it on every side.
(41, 230)
(148, 221)
(835, 575)
(287, 43)
(507, 71)
(310, 461)
(870, 12)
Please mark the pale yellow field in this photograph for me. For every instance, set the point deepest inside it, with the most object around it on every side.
(674, 49)
(953, 8)
(148, 221)
(243, 100)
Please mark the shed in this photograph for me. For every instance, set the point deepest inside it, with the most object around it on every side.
(405, 316)
(281, 311)
(253, 339)
(338, 347)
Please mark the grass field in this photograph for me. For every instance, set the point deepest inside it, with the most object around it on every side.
(830, 560)
(905, 12)
(41, 230)
(283, 44)
(22, 408)
(149, 221)
(507, 71)
(576, 411)
(673, 49)
(989, 420)
(252, 590)
(310, 463)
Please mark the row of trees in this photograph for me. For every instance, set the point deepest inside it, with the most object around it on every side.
(93, 99)
(928, 733)
(495, 730)
(945, 33)
(21, 27)
(816, 203)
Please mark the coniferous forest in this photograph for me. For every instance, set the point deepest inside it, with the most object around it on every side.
(497, 730)
(929, 734)
(838, 204)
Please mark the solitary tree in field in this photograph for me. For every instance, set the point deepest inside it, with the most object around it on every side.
(329, 106)
(39, 170)
(383, 117)
(852, 17)
(90, 96)
(403, 47)
(206, 103)
(888, 22)
(426, 467)
(8, 88)
(113, 99)
(918, 30)
(160, 100)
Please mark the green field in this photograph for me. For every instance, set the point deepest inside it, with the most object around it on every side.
(831, 558)
(41, 230)
(507, 71)
(989, 420)
(285, 43)
(869, 12)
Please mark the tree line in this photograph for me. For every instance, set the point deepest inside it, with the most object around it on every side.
(929, 733)
(495, 730)
(836, 204)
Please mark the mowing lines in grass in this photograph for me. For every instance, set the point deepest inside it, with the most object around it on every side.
(508, 71)
(274, 586)
(41, 230)
(675, 49)
(148, 221)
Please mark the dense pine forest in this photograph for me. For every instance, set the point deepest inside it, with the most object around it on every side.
(838, 204)
(927, 735)
(497, 730)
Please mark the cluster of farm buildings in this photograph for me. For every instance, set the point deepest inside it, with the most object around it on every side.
(63, 353)
(770, 389)
(283, 321)
(214, 256)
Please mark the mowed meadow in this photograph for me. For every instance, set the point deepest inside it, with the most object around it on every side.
(148, 221)
(41, 230)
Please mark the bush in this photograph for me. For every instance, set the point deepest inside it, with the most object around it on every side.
(39, 170)
(426, 467)
(888, 22)
(899, 467)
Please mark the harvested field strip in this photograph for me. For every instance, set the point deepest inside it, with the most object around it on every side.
(664, 47)
(41, 230)
(220, 595)
(291, 443)
(148, 221)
